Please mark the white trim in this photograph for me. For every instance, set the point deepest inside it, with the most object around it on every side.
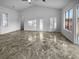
(64, 19)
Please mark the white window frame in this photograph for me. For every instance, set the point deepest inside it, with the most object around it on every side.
(65, 18)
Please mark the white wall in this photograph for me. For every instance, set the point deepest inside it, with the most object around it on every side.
(13, 20)
(69, 35)
(38, 12)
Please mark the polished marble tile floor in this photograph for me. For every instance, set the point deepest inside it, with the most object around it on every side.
(37, 45)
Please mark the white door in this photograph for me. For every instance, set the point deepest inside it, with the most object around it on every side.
(53, 23)
(41, 25)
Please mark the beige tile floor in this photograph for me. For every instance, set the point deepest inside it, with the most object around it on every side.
(36, 45)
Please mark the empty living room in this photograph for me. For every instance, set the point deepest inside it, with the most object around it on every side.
(39, 29)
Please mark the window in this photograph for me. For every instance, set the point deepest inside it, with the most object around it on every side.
(4, 20)
(68, 19)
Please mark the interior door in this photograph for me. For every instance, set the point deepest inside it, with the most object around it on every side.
(41, 25)
(0, 20)
(53, 24)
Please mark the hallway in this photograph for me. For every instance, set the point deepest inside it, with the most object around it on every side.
(36, 45)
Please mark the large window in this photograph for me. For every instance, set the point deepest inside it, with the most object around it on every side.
(68, 19)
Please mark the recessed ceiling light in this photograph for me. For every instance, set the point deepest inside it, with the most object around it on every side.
(27, 1)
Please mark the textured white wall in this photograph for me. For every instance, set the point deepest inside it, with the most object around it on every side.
(38, 12)
(69, 35)
(13, 20)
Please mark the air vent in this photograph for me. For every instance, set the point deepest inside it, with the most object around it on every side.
(24, 0)
(44, 0)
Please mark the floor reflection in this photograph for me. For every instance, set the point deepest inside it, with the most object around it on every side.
(36, 45)
(41, 36)
(55, 40)
(30, 38)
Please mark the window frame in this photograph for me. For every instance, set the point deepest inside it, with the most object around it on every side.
(68, 10)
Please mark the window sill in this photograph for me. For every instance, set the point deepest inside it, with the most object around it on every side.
(68, 30)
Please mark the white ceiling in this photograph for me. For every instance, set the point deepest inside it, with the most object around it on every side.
(19, 4)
